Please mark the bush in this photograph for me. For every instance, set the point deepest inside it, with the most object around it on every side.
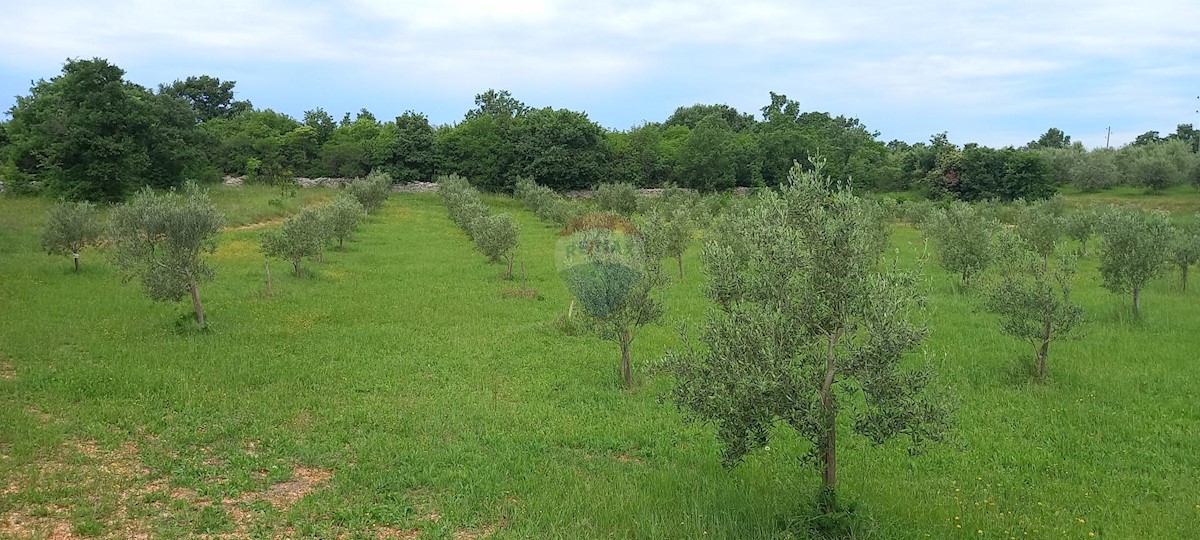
(620, 198)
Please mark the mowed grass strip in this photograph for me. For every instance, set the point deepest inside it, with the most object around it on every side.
(395, 390)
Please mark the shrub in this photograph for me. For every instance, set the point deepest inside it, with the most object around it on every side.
(963, 239)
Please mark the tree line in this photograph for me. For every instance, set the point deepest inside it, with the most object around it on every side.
(90, 134)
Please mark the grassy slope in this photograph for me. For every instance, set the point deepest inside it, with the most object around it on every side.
(401, 368)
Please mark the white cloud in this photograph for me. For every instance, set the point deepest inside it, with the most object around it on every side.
(965, 60)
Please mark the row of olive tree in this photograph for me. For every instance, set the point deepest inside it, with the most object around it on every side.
(546, 204)
(496, 236)
(306, 233)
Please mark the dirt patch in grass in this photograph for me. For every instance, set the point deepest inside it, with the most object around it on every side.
(257, 224)
(423, 505)
(485, 531)
(390, 533)
(114, 479)
(19, 525)
(6, 370)
(626, 458)
(304, 480)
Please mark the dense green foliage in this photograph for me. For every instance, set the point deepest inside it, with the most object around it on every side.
(89, 134)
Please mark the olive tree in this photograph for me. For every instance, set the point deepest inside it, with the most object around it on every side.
(1185, 249)
(302, 235)
(620, 198)
(806, 316)
(1081, 225)
(160, 239)
(70, 227)
(372, 191)
(497, 237)
(963, 239)
(342, 216)
(616, 281)
(667, 233)
(1135, 244)
(1033, 299)
(1039, 226)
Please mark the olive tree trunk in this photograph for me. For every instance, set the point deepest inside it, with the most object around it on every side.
(626, 365)
(829, 449)
(196, 304)
(1043, 351)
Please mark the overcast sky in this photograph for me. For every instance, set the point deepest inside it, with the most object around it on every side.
(994, 72)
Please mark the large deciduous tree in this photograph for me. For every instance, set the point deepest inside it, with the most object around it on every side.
(160, 240)
(209, 97)
(806, 314)
(92, 135)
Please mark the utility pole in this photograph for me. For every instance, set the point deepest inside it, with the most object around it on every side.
(1107, 138)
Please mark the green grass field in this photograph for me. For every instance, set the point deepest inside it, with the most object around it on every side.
(397, 391)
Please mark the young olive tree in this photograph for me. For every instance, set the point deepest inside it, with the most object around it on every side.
(1135, 245)
(71, 227)
(1039, 226)
(1185, 249)
(806, 316)
(1033, 299)
(1081, 226)
(963, 239)
(372, 191)
(616, 281)
(302, 235)
(342, 216)
(667, 232)
(620, 198)
(160, 240)
(497, 237)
